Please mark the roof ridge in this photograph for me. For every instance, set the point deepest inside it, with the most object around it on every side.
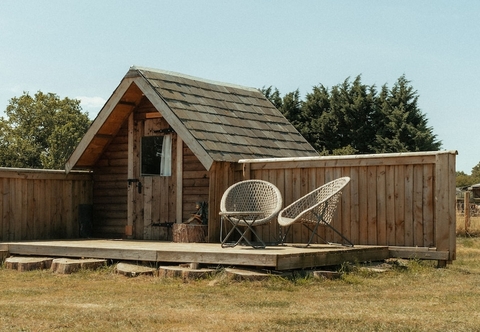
(194, 78)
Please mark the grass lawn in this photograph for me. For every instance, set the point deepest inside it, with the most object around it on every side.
(414, 296)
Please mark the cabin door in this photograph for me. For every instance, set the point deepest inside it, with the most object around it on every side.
(151, 183)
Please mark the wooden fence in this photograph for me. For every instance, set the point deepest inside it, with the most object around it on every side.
(42, 204)
(403, 200)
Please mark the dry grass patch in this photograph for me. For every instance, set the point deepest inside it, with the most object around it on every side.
(419, 297)
(473, 229)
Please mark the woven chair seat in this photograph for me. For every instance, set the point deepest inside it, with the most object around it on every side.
(317, 207)
(247, 204)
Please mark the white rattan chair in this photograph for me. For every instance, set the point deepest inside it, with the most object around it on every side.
(245, 205)
(317, 208)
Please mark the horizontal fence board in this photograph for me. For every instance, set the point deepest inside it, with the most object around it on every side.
(41, 174)
(341, 161)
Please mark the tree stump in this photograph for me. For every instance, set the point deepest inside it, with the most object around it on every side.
(68, 265)
(248, 275)
(189, 233)
(134, 270)
(184, 273)
(28, 263)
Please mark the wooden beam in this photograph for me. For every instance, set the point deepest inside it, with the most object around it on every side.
(129, 231)
(179, 172)
(383, 159)
(417, 252)
(444, 193)
(331, 256)
(98, 123)
(42, 174)
(155, 115)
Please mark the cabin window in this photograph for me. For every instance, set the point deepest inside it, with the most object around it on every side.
(156, 155)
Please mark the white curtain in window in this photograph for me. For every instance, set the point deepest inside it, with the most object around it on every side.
(166, 161)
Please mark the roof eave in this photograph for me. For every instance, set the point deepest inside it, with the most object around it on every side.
(97, 124)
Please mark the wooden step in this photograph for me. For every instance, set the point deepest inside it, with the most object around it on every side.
(68, 265)
(186, 273)
(28, 263)
(134, 270)
(247, 274)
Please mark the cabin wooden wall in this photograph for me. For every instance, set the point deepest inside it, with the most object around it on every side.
(110, 188)
(403, 200)
(195, 183)
(222, 175)
(42, 204)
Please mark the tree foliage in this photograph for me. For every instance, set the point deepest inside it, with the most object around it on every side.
(465, 180)
(354, 118)
(40, 131)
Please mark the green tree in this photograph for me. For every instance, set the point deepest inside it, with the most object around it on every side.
(40, 131)
(401, 126)
(354, 118)
(320, 124)
(346, 123)
(465, 180)
(475, 177)
(273, 95)
(462, 180)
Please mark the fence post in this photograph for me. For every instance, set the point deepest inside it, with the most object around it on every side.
(466, 209)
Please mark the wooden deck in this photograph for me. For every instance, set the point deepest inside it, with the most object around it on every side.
(275, 257)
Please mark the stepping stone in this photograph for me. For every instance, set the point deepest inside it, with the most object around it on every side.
(244, 274)
(68, 265)
(28, 263)
(185, 273)
(133, 270)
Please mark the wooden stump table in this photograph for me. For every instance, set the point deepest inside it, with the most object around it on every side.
(189, 233)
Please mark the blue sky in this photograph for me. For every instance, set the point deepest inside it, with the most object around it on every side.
(82, 49)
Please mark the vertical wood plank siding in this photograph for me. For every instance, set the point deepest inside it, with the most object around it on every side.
(195, 183)
(41, 204)
(404, 199)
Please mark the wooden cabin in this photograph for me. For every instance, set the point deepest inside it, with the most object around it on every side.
(165, 142)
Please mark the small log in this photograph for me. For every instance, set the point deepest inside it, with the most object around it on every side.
(184, 272)
(133, 270)
(28, 263)
(67, 266)
(189, 233)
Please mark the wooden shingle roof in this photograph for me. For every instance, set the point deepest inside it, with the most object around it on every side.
(218, 121)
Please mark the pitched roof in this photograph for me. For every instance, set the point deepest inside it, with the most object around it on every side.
(218, 121)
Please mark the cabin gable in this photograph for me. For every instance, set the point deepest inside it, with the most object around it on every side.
(206, 125)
